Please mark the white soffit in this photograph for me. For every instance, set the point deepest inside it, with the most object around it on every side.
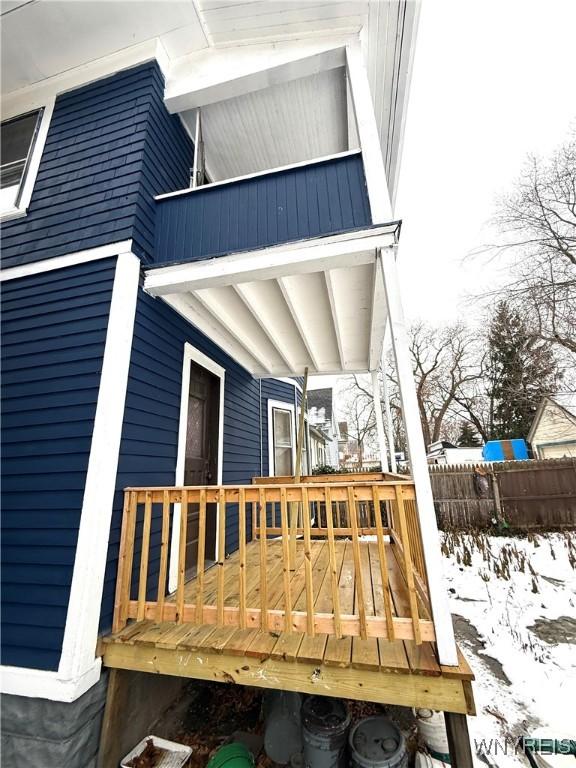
(44, 38)
(286, 123)
(279, 310)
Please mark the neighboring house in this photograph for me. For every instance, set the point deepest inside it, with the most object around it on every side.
(553, 431)
(444, 452)
(194, 212)
(318, 441)
(321, 413)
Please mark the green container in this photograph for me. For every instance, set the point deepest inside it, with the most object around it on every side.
(235, 755)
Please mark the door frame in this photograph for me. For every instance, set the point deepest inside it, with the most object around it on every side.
(193, 355)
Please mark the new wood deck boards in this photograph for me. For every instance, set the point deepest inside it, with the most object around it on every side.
(374, 669)
(369, 654)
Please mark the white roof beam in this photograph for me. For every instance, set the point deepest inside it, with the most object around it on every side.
(378, 321)
(291, 304)
(194, 313)
(266, 315)
(334, 309)
(234, 325)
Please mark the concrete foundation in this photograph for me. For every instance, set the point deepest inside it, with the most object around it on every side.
(52, 734)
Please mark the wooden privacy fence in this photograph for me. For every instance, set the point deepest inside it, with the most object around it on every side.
(537, 495)
(378, 522)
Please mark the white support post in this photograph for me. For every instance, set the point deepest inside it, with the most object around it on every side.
(389, 424)
(367, 128)
(419, 467)
(379, 420)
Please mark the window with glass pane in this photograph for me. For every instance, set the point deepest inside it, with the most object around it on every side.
(282, 442)
(17, 138)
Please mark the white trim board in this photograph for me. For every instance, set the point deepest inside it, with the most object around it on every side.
(367, 129)
(257, 174)
(78, 669)
(282, 406)
(352, 248)
(192, 355)
(69, 260)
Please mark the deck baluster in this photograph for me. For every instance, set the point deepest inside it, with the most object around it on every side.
(333, 568)
(408, 568)
(143, 577)
(163, 555)
(221, 554)
(308, 563)
(285, 560)
(263, 561)
(360, 604)
(182, 557)
(125, 559)
(383, 564)
(200, 563)
(242, 556)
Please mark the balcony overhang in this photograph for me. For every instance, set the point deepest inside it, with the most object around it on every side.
(317, 303)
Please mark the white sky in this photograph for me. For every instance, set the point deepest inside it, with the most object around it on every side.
(493, 80)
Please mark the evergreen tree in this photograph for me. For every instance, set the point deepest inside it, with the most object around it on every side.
(468, 437)
(522, 369)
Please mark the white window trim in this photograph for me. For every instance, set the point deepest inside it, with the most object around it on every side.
(79, 669)
(284, 407)
(31, 171)
(192, 355)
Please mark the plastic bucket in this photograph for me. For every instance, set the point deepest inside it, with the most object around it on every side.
(377, 743)
(427, 761)
(235, 755)
(432, 731)
(283, 726)
(325, 724)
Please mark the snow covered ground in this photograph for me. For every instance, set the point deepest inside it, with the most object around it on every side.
(514, 601)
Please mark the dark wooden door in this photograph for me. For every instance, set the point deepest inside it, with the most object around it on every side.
(201, 458)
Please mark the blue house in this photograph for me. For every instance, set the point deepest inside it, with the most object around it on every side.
(194, 213)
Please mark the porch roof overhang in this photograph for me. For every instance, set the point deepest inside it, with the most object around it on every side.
(317, 303)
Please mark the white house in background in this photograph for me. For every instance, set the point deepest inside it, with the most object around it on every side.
(317, 440)
(553, 431)
(321, 414)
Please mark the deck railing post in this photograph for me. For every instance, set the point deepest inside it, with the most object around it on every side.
(419, 466)
(125, 556)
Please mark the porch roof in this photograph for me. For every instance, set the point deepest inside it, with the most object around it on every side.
(316, 303)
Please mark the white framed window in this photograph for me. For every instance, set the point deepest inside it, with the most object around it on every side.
(23, 138)
(281, 438)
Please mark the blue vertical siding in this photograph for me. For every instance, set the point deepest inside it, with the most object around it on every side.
(110, 148)
(149, 444)
(53, 333)
(318, 199)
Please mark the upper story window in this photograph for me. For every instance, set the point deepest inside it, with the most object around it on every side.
(22, 142)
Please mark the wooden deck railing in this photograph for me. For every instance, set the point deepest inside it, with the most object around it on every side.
(381, 515)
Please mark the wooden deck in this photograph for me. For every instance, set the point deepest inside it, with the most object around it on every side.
(395, 671)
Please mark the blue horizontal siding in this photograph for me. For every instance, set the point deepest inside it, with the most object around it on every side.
(111, 147)
(53, 335)
(310, 201)
(149, 443)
